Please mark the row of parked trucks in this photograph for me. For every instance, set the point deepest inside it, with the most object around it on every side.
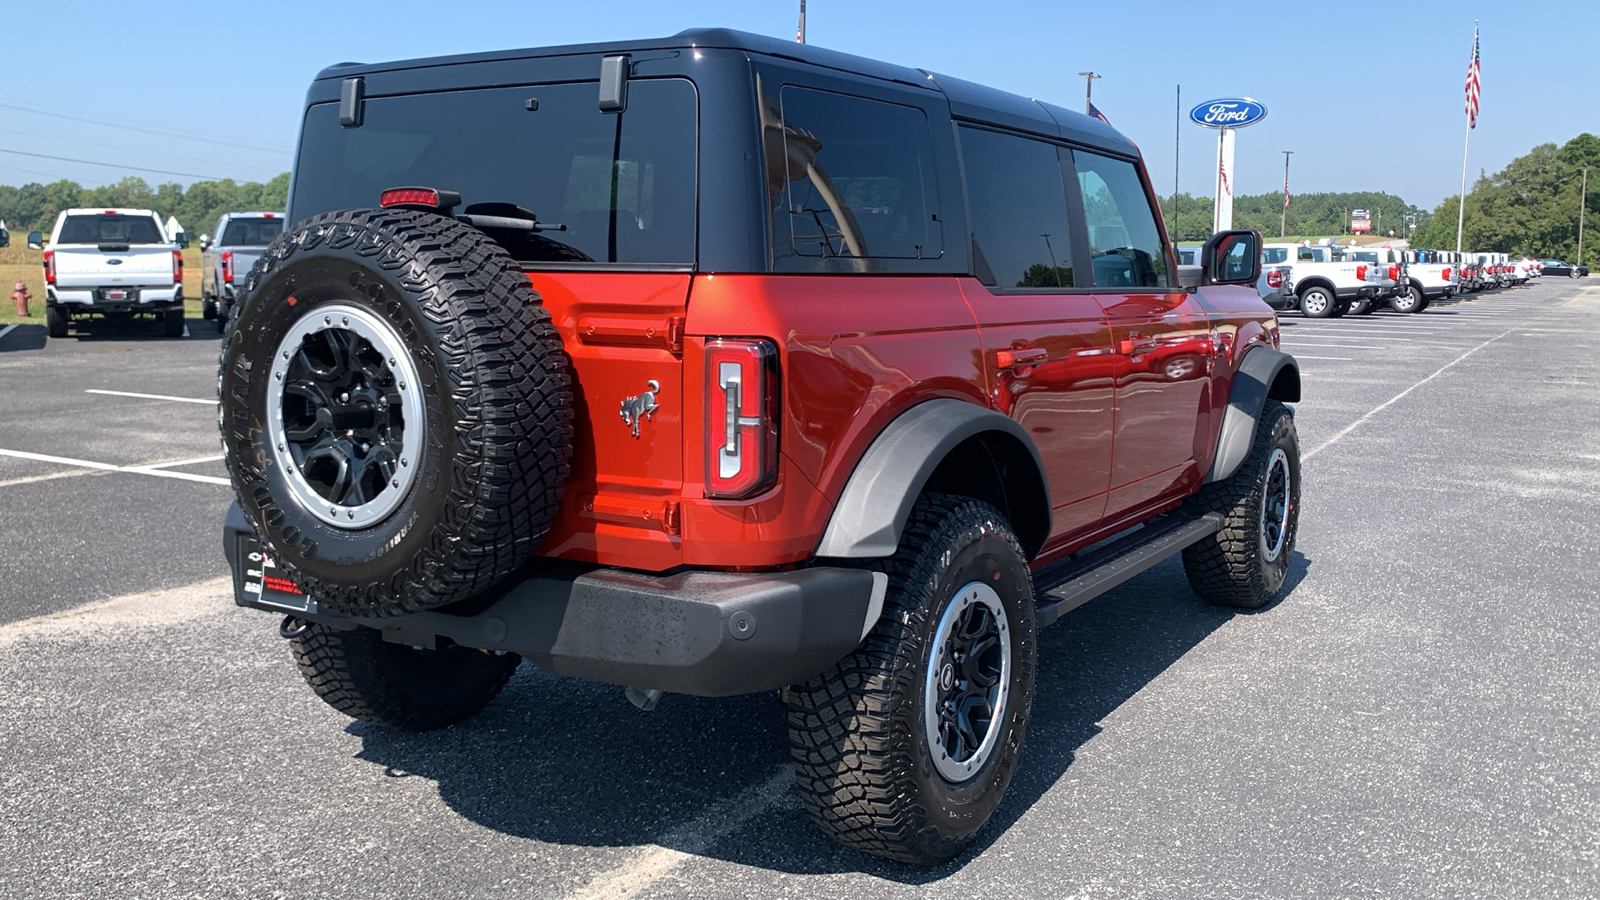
(1329, 280)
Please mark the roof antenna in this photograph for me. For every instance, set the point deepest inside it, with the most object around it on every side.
(800, 36)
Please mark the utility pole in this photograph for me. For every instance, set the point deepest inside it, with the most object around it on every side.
(1283, 224)
(1583, 201)
(1088, 90)
(801, 35)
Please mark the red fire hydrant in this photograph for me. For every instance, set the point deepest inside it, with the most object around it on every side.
(21, 295)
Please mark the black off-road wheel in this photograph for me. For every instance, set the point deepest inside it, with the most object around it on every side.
(1244, 565)
(396, 410)
(905, 748)
(1318, 302)
(397, 686)
(56, 321)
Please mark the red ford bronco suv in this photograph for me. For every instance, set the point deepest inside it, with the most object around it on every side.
(719, 364)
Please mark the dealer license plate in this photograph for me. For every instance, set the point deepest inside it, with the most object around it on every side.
(116, 295)
(261, 583)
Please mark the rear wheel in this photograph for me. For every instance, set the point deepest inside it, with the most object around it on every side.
(1318, 302)
(1408, 300)
(1361, 307)
(906, 747)
(398, 686)
(172, 322)
(56, 321)
(208, 309)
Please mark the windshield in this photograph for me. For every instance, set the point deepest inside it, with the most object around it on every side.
(113, 228)
(252, 232)
(622, 184)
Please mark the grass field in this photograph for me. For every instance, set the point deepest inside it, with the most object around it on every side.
(18, 263)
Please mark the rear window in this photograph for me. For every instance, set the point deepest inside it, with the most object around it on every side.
(251, 232)
(110, 229)
(1275, 255)
(622, 184)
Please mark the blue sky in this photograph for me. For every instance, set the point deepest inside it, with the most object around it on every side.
(1365, 101)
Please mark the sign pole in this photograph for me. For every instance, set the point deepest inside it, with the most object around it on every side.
(800, 36)
(1223, 219)
(1283, 222)
(1583, 201)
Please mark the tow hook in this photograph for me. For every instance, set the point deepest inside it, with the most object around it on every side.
(644, 698)
(292, 628)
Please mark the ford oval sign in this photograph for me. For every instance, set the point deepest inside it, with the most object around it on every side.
(1234, 112)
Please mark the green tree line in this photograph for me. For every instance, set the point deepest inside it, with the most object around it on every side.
(1529, 208)
(1189, 217)
(34, 206)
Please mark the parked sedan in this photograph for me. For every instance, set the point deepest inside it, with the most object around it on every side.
(1557, 268)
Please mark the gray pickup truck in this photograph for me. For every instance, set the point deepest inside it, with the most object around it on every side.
(241, 237)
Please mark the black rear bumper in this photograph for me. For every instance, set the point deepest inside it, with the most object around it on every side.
(710, 634)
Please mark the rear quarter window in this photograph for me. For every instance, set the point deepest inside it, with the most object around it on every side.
(848, 178)
(622, 183)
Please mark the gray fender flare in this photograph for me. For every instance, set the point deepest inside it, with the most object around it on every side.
(1253, 384)
(877, 500)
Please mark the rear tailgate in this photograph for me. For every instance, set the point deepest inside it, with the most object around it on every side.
(80, 267)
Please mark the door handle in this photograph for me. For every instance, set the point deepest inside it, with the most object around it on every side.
(1136, 346)
(1021, 356)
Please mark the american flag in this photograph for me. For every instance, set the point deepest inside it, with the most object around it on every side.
(1473, 83)
(1286, 192)
(1095, 111)
(1223, 174)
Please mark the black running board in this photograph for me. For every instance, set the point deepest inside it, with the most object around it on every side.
(1063, 587)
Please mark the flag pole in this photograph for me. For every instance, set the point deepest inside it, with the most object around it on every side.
(1461, 211)
(1466, 142)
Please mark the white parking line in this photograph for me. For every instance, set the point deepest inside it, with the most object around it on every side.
(108, 467)
(7, 330)
(150, 396)
(1332, 346)
(186, 329)
(1353, 337)
(1331, 358)
(182, 462)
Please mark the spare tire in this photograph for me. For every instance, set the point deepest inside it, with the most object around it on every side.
(396, 410)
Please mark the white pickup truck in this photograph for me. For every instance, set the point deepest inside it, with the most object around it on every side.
(1327, 283)
(115, 263)
(1429, 276)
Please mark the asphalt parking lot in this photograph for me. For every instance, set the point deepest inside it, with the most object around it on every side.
(1417, 718)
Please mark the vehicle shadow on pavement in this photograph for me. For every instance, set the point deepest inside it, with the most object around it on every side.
(562, 761)
(100, 331)
(23, 337)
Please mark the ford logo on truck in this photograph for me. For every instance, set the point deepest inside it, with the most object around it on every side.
(1233, 112)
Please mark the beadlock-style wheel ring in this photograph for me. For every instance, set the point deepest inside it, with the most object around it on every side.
(1275, 506)
(968, 682)
(344, 415)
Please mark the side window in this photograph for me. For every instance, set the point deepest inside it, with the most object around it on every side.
(1304, 254)
(1275, 255)
(856, 179)
(1123, 235)
(1020, 236)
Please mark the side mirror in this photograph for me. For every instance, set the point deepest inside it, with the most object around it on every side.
(1231, 257)
(5, 239)
(182, 241)
(205, 242)
(35, 241)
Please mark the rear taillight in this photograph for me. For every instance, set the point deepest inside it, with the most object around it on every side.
(227, 266)
(1275, 278)
(1394, 273)
(1447, 274)
(177, 267)
(741, 417)
(49, 267)
(1361, 273)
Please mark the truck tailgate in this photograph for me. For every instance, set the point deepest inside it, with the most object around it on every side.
(87, 266)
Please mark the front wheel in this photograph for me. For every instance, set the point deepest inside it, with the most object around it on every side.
(398, 686)
(906, 747)
(1245, 564)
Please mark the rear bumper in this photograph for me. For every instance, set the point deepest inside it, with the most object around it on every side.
(97, 299)
(709, 634)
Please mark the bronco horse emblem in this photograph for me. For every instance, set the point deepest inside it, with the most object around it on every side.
(641, 407)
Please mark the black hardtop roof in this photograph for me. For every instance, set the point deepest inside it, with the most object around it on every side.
(967, 99)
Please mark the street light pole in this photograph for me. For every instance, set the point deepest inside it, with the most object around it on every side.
(1283, 223)
(1088, 90)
